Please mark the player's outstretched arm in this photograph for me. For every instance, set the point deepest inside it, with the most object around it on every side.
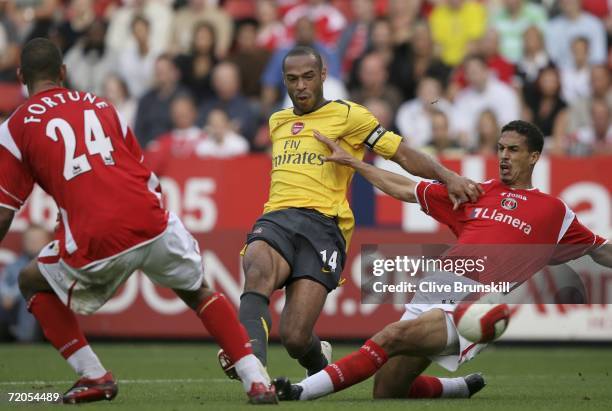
(603, 255)
(6, 218)
(393, 184)
(460, 189)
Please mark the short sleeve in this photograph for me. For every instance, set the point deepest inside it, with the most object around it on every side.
(16, 183)
(576, 242)
(131, 142)
(363, 128)
(434, 201)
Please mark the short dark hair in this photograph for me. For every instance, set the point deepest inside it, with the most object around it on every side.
(304, 51)
(41, 59)
(534, 136)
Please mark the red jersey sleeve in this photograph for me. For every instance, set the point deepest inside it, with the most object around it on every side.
(130, 139)
(16, 183)
(132, 144)
(576, 242)
(434, 201)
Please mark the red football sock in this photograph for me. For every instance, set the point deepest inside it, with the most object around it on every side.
(221, 321)
(357, 366)
(58, 323)
(425, 386)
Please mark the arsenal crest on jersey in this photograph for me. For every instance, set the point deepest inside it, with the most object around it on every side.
(509, 203)
(297, 127)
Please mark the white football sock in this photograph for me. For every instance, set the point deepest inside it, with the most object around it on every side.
(315, 386)
(454, 388)
(250, 370)
(86, 363)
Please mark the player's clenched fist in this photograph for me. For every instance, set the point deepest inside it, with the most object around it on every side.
(462, 190)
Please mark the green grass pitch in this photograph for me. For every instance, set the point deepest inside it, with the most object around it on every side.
(186, 377)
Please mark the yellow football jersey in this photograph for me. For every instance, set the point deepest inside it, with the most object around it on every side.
(300, 177)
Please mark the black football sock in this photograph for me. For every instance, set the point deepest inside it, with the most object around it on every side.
(313, 360)
(255, 316)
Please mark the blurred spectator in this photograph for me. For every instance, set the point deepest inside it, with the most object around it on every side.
(595, 139)
(116, 91)
(381, 42)
(80, 16)
(373, 76)
(413, 117)
(488, 133)
(575, 79)
(15, 320)
(196, 11)
(179, 142)
(599, 89)
(327, 19)
(196, 67)
(455, 24)
(403, 16)
(484, 91)
(88, 61)
(421, 62)
(512, 20)
(228, 97)
(382, 110)
(9, 46)
(220, 140)
(273, 87)
(534, 59)
(157, 12)
(355, 39)
(441, 143)
(153, 113)
(250, 59)
(34, 18)
(572, 23)
(488, 47)
(272, 33)
(548, 110)
(136, 61)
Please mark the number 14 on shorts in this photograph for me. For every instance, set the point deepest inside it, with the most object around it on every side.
(331, 263)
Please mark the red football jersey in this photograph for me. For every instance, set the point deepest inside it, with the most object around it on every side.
(79, 150)
(524, 227)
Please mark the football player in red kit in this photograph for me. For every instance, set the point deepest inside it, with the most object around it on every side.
(511, 211)
(79, 150)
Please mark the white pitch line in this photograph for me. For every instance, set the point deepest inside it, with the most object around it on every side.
(121, 381)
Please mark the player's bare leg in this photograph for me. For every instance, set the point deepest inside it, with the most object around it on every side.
(304, 301)
(422, 337)
(265, 270)
(221, 321)
(61, 328)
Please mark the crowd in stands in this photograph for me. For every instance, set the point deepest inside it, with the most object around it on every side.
(201, 77)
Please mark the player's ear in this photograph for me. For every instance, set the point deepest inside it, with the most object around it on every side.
(534, 156)
(20, 76)
(62, 76)
(323, 73)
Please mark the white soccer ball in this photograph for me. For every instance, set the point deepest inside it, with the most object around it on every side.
(481, 323)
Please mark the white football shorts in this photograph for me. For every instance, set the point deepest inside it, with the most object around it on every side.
(171, 259)
(458, 349)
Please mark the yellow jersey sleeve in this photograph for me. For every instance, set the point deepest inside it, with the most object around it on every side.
(363, 128)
